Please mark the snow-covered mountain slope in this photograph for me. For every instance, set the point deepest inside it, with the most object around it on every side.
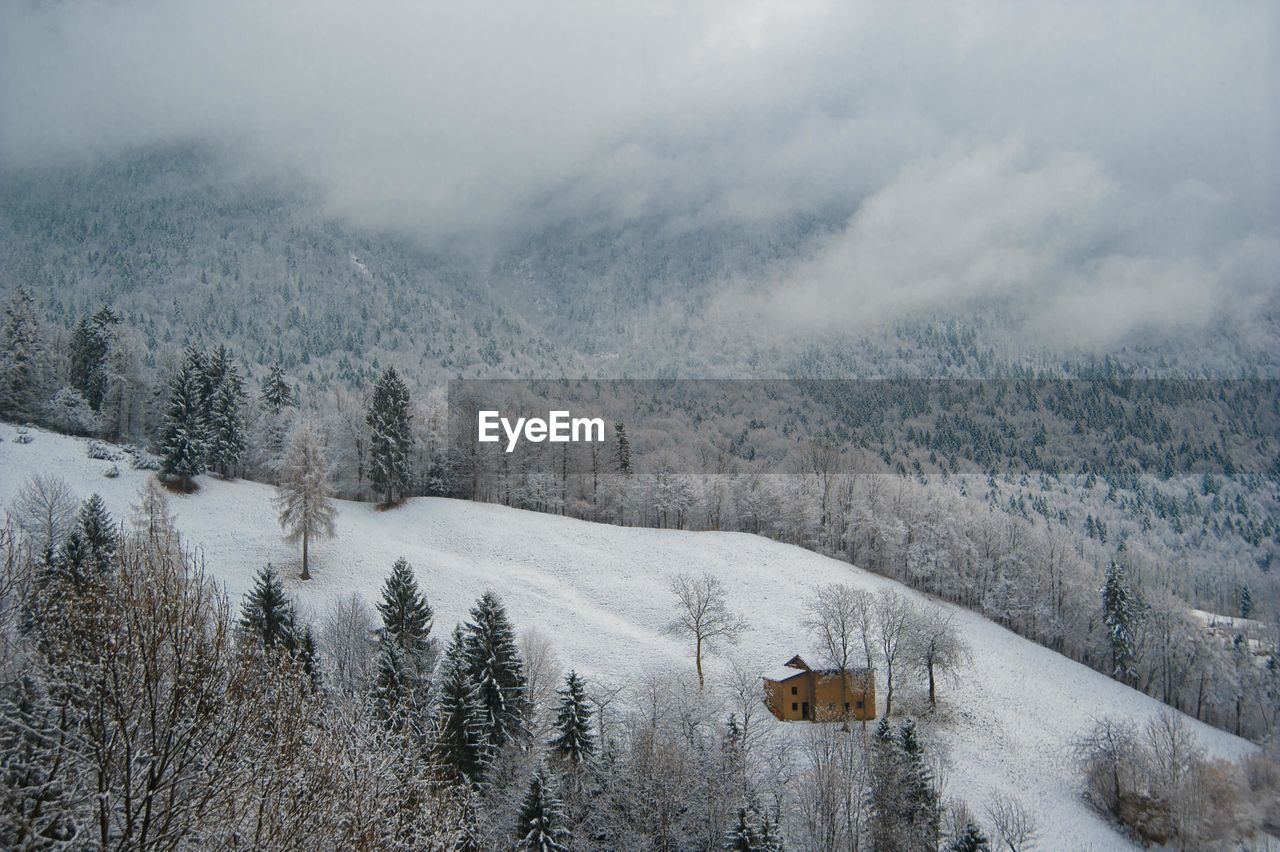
(600, 592)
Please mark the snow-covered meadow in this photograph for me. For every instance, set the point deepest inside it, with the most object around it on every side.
(600, 593)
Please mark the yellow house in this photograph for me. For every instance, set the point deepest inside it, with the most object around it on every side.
(796, 692)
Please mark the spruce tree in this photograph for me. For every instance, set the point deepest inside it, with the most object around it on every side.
(185, 437)
(541, 824)
(918, 795)
(267, 615)
(459, 745)
(743, 837)
(497, 671)
(389, 685)
(1246, 602)
(1120, 614)
(24, 384)
(275, 390)
(98, 532)
(621, 450)
(406, 615)
(390, 440)
(225, 421)
(574, 740)
(970, 839)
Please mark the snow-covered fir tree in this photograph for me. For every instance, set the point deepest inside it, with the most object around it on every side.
(225, 422)
(98, 532)
(497, 671)
(90, 350)
(185, 437)
(1121, 611)
(406, 627)
(459, 743)
(390, 438)
(541, 824)
(574, 741)
(621, 449)
(970, 839)
(302, 497)
(24, 359)
(267, 614)
(275, 391)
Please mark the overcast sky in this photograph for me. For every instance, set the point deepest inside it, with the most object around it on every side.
(1117, 150)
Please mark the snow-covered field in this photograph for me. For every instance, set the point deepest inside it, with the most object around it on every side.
(600, 592)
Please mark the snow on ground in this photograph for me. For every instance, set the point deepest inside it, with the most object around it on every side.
(600, 592)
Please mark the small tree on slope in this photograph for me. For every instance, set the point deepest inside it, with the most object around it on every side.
(496, 669)
(541, 828)
(184, 439)
(970, 839)
(1121, 611)
(406, 650)
(226, 422)
(574, 740)
(302, 498)
(459, 737)
(389, 438)
(267, 615)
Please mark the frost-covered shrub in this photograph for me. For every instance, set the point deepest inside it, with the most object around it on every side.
(140, 459)
(112, 472)
(103, 452)
(68, 411)
(24, 436)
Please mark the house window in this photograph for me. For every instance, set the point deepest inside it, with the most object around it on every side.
(794, 706)
(859, 705)
(795, 690)
(846, 706)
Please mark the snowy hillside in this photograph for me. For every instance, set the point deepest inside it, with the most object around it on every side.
(601, 593)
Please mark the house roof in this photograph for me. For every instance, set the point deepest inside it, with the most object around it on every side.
(782, 673)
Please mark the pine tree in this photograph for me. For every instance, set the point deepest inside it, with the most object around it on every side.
(389, 685)
(1246, 602)
(621, 450)
(267, 615)
(88, 353)
(459, 742)
(497, 671)
(302, 497)
(184, 440)
(1121, 611)
(541, 823)
(970, 839)
(225, 420)
(390, 441)
(276, 392)
(574, 740)
(918, 795)
(24, 384)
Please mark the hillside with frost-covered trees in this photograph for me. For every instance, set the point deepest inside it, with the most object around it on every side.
(569, 686)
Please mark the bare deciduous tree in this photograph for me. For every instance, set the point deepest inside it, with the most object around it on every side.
(45, 510)
(1015, 826)
(893, 624)
(937, 649)
(703, 614)
(838, 622)
(349, 645)
(541, 672)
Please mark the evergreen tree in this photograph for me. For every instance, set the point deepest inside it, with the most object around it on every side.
(225, 420)
(918, 795)
(743, 837)
(406, 650)
(541, 824)
(459, 742)
(574, 740)
(89, 349)
(1121, 611)
(302, 497)
(276, 392)
(267, 615)
(621, 449)
(24, 385)
(389, 685)
(496, 670)
(406, 615)
(389, 438)
(98, 533)
(184, 440)
(1246, 602)
(970, 839)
